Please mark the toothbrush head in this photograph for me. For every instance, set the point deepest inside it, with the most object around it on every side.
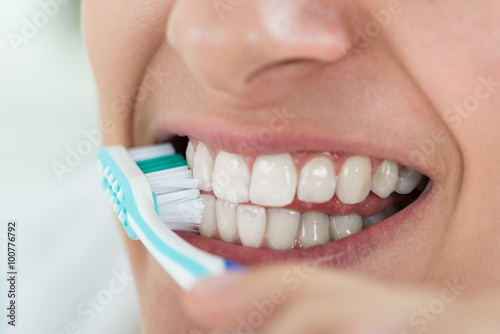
(153, 192)
(161, 175)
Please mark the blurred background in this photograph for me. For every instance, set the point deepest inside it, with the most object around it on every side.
(73, 274)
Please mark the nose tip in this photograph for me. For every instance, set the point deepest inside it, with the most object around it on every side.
(258, 40)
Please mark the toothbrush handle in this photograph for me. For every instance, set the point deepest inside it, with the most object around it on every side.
(186, 264)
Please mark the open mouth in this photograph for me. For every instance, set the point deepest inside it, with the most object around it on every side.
(294, 205)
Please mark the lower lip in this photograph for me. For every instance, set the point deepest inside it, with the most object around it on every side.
(342, 253)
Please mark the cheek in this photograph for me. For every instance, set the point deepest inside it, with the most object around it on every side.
(446, 63)
(122, 37)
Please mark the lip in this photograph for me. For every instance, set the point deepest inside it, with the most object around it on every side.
(241, 136)
(246, 137)
(342, 253)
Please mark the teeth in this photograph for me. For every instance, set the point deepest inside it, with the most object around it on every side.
(226, 219)
(285, 228)
(274, 183)
(384, 179)
(231, 178)
(282, 227)
(378, 217)
(313, 229)
(190, 154)
(203, 167)
(251, 222)
(354, 180)
(344, 226)
(374, 219)
(392, 210)
(407, 181)
(208, 221)
(317, 181)
(274, 180)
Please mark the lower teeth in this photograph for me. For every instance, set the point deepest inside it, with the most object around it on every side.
(277, 228)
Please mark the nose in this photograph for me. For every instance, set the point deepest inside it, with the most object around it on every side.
(235, 46)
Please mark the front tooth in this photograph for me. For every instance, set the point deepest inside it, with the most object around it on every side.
(374, 219)
(316, 181)
(208, 221)
(354, 180)
(226, 219)
(384, 179)
(231, 177)
(344, 226)
(407, 181)
(313, 229)
(190, 154)
(274, 180)
(251, 222)
(282, 227)
(203, 167)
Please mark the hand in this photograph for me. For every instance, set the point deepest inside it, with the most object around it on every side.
(303, 299)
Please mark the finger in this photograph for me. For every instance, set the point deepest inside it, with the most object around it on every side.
(321, 315)
(221, 302)
(317, 297)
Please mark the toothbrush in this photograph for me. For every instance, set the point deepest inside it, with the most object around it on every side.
(152, 191)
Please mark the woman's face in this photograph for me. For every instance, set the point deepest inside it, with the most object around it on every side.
(415, 82)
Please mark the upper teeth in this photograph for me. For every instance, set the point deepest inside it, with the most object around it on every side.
(317, 181)
(231, 177)
(408, 179)
(274, 181)
(354, 180)
(203, 167)
(384, 179)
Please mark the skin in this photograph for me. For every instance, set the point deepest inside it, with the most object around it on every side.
(398, 94)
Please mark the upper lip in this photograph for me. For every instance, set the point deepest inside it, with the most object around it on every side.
(250, 137)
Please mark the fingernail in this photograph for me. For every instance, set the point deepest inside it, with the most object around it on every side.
(215, 286)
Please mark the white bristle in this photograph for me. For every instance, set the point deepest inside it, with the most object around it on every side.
(151, 152)
(180, 210)
(187, 212)
(170, 180)
(176, 185)
(177, 194)
(172, 173)
(181, 214)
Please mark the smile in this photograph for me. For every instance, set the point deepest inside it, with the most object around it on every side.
(297, 200)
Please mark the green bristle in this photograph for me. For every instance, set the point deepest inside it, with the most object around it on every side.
(161, 163)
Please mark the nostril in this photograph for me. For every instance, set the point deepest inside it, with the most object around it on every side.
(285, 69)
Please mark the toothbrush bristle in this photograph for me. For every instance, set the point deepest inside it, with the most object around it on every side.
(151, 152)
(177, 194)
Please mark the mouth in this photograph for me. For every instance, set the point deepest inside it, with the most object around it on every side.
(329, 207)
